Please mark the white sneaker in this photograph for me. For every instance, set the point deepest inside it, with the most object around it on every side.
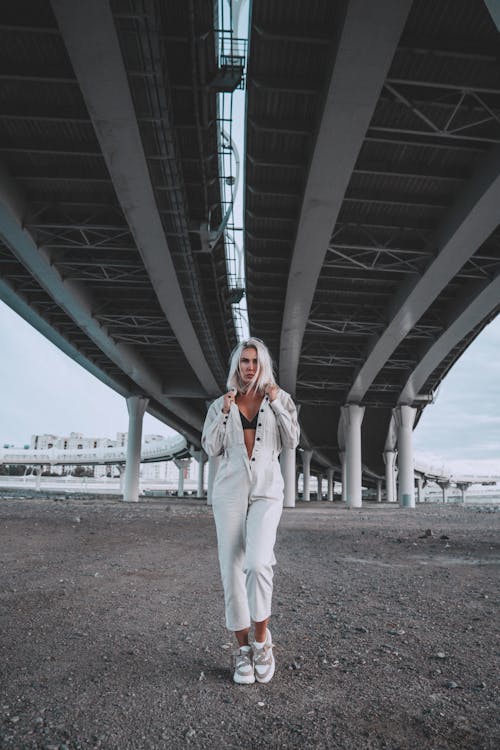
(263, 660)
(243, 666)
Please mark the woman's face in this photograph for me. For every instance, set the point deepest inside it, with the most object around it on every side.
(249, 365)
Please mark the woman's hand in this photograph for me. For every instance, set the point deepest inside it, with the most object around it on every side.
(272, 391)
(229, 398)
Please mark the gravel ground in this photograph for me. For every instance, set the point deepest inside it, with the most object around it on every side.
(112, 634)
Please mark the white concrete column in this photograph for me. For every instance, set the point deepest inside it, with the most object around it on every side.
(181, 464)
(390, 476)
(213, 465)
(444, 487)
(379, 490)
(287, 463)
(136, 406)
(38, 475)
(404, 417)
(121, 471)
(329, 477)
(420, 487)
(353, 416)
(463, 487)
(344, 475)
(320, 486)
(201, 458)
(306, 472)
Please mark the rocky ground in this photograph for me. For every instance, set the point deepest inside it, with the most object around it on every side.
(112, 635)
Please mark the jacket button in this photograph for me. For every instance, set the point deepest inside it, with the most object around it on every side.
(253, 459)
(260, 424)
(258, 438)
(261, 411)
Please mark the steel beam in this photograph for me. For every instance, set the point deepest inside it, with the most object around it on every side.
(466, 316)
(464, 228)
(22, 307)
(103, 80)
(77, 302)
(366, 48)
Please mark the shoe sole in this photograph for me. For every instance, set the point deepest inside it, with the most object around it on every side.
(244, 680)
(268, 677)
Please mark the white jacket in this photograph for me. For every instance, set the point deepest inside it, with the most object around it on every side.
(277, 427)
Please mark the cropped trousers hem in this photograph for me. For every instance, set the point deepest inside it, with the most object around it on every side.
(246, 534)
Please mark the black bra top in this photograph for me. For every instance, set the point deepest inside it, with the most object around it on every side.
(248, 424)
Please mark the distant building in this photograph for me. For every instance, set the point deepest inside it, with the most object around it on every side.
(43, 442)
(162, 471)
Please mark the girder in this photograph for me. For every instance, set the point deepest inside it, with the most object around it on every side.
(462, 231)
(462, 317)
(104, 84)
(356, 80)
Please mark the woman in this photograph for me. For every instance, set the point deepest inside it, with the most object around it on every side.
(247, 427)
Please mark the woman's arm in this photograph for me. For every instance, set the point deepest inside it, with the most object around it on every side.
(214, 429)
(286, 417)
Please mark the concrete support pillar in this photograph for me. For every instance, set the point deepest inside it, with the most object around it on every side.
(136, 406)
(404, 417)
(379, 490)
(352, 415)
(121, 472)
(180, 483)
(344, 475)
(287, 462)
(320, 486)
(420, 487)
(463, 487)
(306, 472)
(38, 475)
(201, 458)
(329, 477)
(182, 464)
(444, 487)
(390, 476)
(315, 495)
(213, 465)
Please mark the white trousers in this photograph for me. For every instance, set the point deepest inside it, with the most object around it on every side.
(246, 532)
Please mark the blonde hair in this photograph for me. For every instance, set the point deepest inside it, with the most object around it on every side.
(264, 375)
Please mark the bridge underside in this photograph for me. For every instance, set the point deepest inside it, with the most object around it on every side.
(418, 173)
(100, 292)
(372, 194)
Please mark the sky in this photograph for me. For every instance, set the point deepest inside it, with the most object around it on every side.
(44, 391)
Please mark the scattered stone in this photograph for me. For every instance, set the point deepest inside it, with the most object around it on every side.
(190, 733)
(440, 655)
(201, 677)
(295, 665)
(451, 685)
(443, 536)
(261, 704)
(14, 719)
(427, 533)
